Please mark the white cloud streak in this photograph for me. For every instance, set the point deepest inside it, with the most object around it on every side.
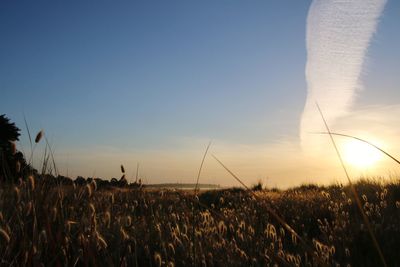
(338, 35)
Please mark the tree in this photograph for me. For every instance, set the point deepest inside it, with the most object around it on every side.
(8, 131)
(9, 164)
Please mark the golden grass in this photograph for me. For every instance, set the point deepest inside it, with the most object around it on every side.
(87, 225)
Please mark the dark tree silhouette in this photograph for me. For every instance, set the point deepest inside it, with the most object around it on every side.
(10, 159)
(8, 131)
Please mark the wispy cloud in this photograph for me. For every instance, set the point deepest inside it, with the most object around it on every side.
(338, 35)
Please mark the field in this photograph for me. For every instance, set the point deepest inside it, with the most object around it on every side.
(45, 222)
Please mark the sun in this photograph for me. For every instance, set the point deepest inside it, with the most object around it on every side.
(360, 154)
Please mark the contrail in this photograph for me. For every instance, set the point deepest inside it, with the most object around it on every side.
(338, 35)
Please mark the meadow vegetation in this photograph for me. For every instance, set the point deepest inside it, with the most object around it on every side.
(50, 220)
(43, 223)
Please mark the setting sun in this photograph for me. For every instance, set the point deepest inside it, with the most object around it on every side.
(200, 133)
(360, 154)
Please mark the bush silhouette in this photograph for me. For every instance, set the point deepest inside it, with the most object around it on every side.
(11, 160)
(8, 131)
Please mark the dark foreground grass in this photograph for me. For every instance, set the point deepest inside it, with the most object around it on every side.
(45, 224)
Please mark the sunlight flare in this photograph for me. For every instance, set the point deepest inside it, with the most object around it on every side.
(360, 154)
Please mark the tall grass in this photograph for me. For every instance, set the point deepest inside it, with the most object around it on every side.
(88, 225)
(46, 221)
(354, 191)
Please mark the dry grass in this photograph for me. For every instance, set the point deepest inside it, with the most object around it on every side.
(85, 225)
(48, 221)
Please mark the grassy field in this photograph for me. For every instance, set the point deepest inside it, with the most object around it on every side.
(42, 223)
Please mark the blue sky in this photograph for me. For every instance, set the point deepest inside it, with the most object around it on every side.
(137, 78)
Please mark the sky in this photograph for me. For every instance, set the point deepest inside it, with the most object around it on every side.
(152, 82)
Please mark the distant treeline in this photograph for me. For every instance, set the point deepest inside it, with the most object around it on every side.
(183, 185)
(99, 183)
(114, 182)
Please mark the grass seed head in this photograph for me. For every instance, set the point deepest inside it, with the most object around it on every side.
(43, 237)
(94, 185)
(17, 193)
(89, 190)
(92, 209)
(107, 219)
(124, 235)
(28, 208)
(157, 259)
(222, 228)
(17, 166)
(13, 147)
(31, 180)
(128, 221)
(5, 235)
(39, 136)
(54, 214)
(171, 249)
(101, 242)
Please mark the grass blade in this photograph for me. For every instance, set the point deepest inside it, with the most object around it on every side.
(201, 167)
(269, 209)
(364, 141)
(353, 189)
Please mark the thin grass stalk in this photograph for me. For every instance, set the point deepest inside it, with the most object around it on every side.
(201, 167)
(29, 135)
(45, 161)
(52, 157)
(222, 217)
(269, 209)
(137, 172)
(364, 141)
(59, 185)
(354, 191)
(193, 208)
(37, 140)
(136, 252)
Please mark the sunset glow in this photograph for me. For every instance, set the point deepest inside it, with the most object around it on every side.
(360, 154)
(200, 133)
(152, 82)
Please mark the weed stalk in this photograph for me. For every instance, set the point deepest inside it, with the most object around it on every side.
(354, 191)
